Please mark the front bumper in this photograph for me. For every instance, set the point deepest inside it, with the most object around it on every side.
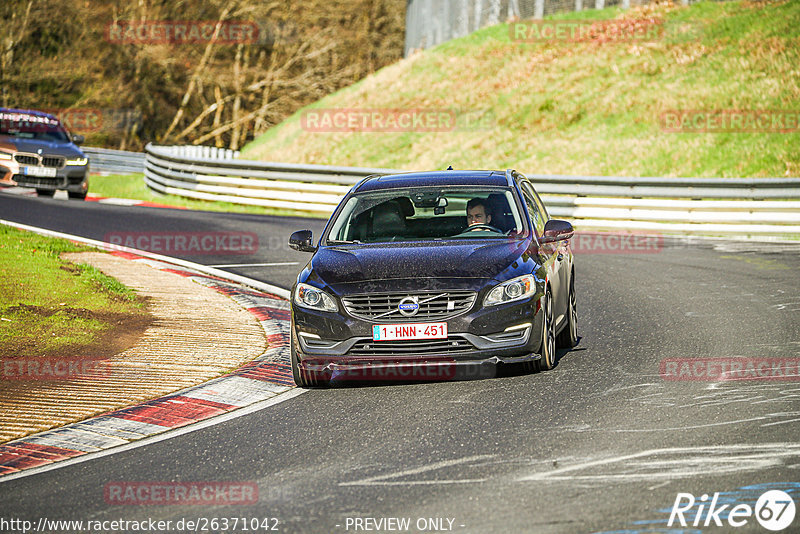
(72, 178)
(340, 346)
(410, 370)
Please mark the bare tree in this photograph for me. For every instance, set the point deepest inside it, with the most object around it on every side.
(216, 91)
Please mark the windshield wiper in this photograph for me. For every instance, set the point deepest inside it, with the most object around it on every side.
(342, 242)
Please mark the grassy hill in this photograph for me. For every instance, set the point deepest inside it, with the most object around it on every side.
(589, 107)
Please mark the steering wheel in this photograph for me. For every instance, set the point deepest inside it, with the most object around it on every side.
(488, 227)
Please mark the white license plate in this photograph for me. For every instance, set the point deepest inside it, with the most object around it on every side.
(47, 172)
(396, 332)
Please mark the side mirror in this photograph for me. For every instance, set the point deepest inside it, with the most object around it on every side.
(557, 230)
(78, 139)
(302, 241)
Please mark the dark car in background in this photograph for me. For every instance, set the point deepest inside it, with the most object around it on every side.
(402, 286)
(37, 151)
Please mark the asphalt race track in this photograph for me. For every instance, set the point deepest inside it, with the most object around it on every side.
(604, 442)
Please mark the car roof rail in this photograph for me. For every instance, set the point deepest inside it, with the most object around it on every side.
(510, 176)
(359, 184)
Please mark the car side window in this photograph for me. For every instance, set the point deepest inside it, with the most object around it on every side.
(534, 209)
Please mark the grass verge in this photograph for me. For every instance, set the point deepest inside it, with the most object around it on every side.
(50, 307)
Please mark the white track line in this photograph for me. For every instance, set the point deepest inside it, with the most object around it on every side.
(276, 264)
(169, 434)
(255, 284)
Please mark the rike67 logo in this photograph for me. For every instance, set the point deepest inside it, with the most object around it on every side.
(774, 510)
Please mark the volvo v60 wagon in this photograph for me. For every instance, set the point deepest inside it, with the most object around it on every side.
(420, 276)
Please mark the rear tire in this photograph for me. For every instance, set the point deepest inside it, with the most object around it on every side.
(548, 350)
(45, 193)
(568, 337)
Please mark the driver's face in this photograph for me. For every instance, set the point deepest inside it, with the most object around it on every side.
(478, 215)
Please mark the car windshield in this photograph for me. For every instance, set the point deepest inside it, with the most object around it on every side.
(427, 213)
(29, 126)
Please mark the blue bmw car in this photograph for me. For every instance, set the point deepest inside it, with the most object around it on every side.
(37, 151)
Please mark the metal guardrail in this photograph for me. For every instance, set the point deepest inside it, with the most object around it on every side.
(743, 206)
(108, 161)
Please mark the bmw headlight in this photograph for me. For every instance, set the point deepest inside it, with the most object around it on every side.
(6, 156)
(308, 296)
(78, 161)
(514, 289)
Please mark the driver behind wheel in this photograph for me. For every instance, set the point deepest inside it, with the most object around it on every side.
(478, 212)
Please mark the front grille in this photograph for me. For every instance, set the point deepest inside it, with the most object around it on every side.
(53, 161)
(26, 159)
(432, 305)
(422, 347)
(36, 161)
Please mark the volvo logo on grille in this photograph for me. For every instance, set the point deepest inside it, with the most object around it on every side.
(408, 306)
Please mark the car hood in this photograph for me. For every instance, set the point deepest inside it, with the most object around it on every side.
(479, 259)
(56, 148)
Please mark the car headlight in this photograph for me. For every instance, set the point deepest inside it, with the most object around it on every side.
(514, 289)
(6, 156)
(78, 161)
(308, 296)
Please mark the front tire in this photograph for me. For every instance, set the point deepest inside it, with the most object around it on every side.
(304, 378)
(548, 350)
(76, 196)
(45, 193)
